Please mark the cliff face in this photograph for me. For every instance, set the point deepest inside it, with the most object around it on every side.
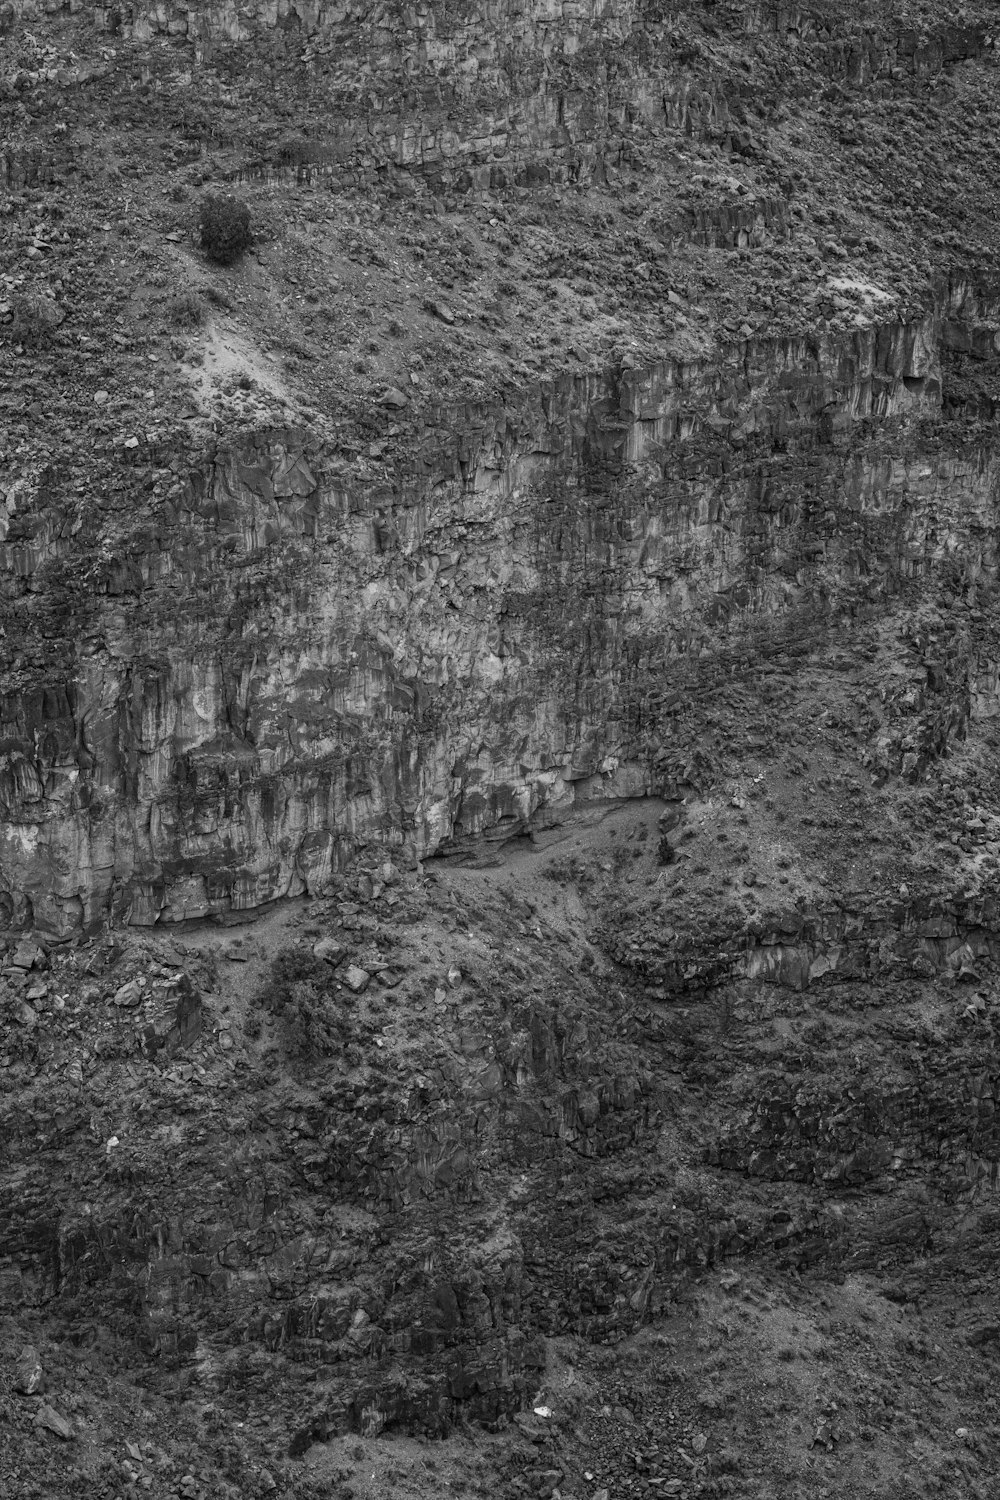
(291, 664)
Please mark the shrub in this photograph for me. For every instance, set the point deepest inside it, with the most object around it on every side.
(311, 1024)
(225, 228)
(186, 310)
(35, 319)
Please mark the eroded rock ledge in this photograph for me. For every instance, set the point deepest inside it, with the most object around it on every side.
(288, 654)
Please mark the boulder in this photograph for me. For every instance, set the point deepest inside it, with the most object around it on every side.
(29, 1378)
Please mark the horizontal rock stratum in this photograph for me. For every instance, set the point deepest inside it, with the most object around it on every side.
(285, 665)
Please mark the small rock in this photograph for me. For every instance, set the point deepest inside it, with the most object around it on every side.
(444, 312)
(394, 397)
(225, 1040)
(699, 1442)
(824, 1435)
(355, 978)
(100, 398)
(454, 976)
(26, 955)
(29, 1379)
(128, 994)
(329, 949)
(729, 1280)
(46, 1416)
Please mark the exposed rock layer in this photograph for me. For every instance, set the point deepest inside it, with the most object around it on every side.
(290, 662)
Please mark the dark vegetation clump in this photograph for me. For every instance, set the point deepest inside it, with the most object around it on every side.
(35, 320)
(311, 1020)
(225, 228)
(186, 310)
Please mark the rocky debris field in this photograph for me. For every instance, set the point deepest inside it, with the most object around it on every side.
(450, 1181)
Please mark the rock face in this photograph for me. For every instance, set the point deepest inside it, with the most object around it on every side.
(479, 97)
(287, 649)
(478, 643)
(371, 1224)
(585, 483)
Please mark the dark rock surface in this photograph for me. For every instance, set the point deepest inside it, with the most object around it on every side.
(499, 699)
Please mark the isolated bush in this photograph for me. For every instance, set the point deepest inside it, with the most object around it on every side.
(186, 310)
(311, 1023)
(225, 228)
(35, 319)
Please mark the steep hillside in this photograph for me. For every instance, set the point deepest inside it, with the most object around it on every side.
(579, 356)
(499, 809)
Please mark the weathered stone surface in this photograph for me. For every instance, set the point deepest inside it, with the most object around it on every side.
(29, 1378)
(420, 693)
(329, 949)
(46, 1416)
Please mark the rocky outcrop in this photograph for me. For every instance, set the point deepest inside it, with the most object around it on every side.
(299, 654)
(510, 95)
(799, 947)
(429, 634)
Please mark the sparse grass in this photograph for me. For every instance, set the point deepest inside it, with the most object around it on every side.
(218, 297)
(186, 310)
